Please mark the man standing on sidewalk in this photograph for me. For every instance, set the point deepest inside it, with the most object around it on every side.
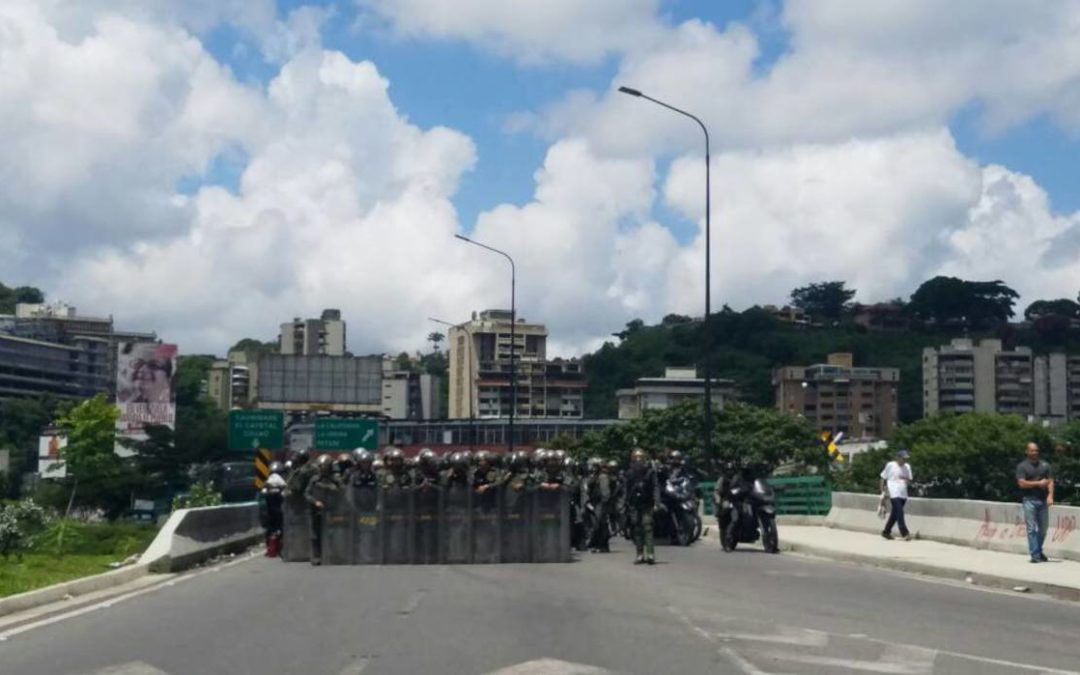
(895, 478)
(1036, 482)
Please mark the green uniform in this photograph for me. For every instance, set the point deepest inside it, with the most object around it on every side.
(393, 479)
(319, 491)
(598, 492)
(642, 497)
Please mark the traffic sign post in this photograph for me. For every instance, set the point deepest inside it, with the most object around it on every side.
(346, 434)
(250, 430)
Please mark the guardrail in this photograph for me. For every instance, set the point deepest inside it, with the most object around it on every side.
(795, 496)
(191, 536)
(802, 495)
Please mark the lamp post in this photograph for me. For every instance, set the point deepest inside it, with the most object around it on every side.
(513, 334)
(708, 265)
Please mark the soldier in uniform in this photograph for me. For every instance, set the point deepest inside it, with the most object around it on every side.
(342, 465)
(458, 473)
(318, 493)
(598, 494)
(363, 473)
(301, 473)
(642, 497)
(394, 474)
(426, 475)
(519, 475)
(618, 499)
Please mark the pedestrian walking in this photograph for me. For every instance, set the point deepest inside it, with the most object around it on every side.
(895, 478)
(1036, 481)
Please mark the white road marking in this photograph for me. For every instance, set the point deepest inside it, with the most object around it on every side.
(356, 667)
(414, 602)
(118, 599)
(132, 668)
(888, 667)
(799, 637)
(551, 667)
(742, 664)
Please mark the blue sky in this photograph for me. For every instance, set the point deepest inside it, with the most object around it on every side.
(465, 87)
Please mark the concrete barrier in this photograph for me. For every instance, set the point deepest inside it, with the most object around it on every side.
(70, 589)
(191, 536)
(998, 526)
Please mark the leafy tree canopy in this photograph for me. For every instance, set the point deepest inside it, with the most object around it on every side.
(825, 300)
(952, 301)
(1043, 308)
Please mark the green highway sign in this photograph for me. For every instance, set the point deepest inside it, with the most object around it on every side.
(346, 434)
(253, 429)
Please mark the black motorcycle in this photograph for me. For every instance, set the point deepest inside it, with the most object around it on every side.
(678, 521)
(744, 508)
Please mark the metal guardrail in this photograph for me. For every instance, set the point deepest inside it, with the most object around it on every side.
(802, 495)
(795, 496)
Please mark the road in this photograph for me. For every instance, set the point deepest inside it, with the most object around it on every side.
(699, 611)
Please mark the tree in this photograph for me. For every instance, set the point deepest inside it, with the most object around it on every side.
(969, 456)
(435, 338)
(1041, 308)
(255, 348)
(951, 301)
(9, 297)
(825, 300)
(97, 476)
(21, 423)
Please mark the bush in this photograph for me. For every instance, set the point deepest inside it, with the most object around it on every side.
(19, 522)
(202, 493)
(74, 537)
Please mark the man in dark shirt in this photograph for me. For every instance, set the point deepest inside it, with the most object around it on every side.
(1036, 481)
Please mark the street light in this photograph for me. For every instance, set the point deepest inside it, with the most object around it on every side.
(708, 263)
(513, 333)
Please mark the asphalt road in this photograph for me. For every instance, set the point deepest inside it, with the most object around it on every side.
(699, 611)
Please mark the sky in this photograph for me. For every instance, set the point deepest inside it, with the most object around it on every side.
(212, 168)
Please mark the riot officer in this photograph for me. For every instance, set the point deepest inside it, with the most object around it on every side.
(485, 477)
(319, 492)
(342, 465)
(426, 476)
(551, 475)
(363, 472)
(642, 497)
(616, 524)
(394, 474)
(301, 474)
(272, 501)
(519, 475)
(598, 494)
(458, 473)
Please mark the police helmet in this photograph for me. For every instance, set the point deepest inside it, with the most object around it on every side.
(276, 467)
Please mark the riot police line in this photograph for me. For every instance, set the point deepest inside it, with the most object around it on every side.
(429, 525)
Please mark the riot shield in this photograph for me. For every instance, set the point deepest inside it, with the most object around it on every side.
(486, 525)
(396, 508)
(426, 525)
(517, 508)
(296, 532)
(366, 542)
(551, 526)
(455, 531)
(337, 546)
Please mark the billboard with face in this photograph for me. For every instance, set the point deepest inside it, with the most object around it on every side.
(50, 464)
(145, 389)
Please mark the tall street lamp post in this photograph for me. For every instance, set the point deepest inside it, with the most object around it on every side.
(513, 335)
(708, 267)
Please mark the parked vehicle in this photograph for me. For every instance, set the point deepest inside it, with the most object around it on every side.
(678, 521)
(748, 513)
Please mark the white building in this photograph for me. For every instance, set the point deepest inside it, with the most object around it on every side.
(677, 385)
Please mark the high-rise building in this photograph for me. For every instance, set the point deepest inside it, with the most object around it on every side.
(324, 336)
(967, 377)
(677, 385)
(233, 382)
(31, 368)
(1057, 387)
(479, 352)
(836, 396)
(409, 395)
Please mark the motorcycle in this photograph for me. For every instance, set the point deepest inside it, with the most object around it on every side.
(678, 520)
(746, 507)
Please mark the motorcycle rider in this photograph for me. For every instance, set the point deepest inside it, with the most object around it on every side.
(642, 497)
(318, 493)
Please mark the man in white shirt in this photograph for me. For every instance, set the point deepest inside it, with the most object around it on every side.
(895, 478)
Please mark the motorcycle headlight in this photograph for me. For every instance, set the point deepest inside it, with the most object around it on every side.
(689, 505)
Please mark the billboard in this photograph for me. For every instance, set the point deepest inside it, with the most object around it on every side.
(145, 390)
(50, 464)
(321, 382)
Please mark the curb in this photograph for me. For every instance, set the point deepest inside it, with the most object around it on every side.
(74, 588)
(975, 578)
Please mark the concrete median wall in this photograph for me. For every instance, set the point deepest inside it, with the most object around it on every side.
(998, 526)
(191, 536)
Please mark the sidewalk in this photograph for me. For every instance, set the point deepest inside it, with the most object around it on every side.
(1058, 578)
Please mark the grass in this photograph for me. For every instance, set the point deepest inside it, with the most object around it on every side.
(37, 570)
(88, 550)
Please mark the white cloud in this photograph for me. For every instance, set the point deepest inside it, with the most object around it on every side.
(532, 31)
